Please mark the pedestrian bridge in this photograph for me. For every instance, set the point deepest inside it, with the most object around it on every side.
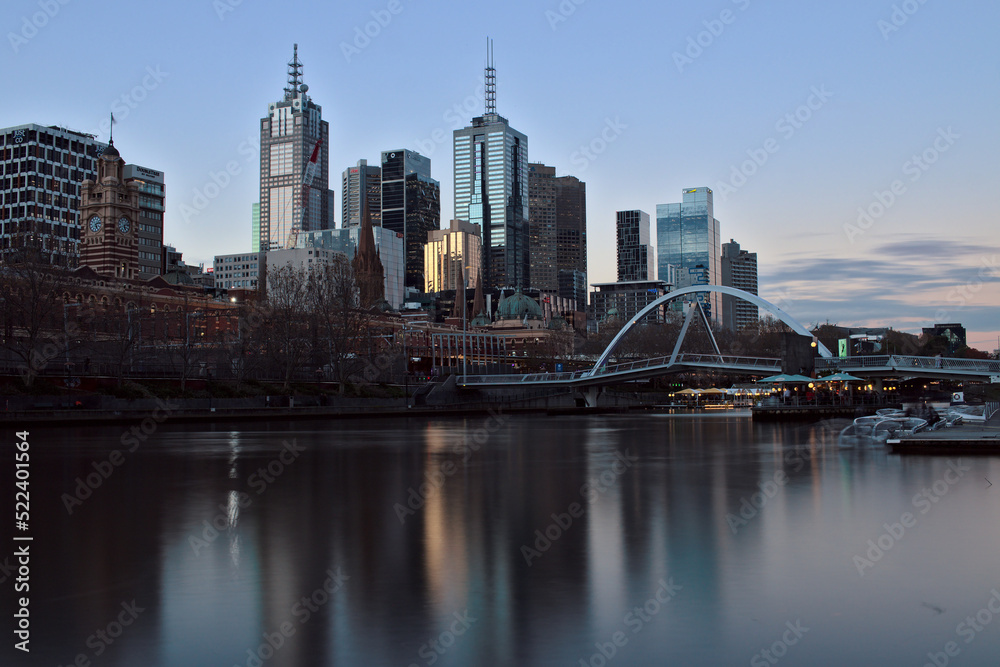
(903, 366)
(602, 373)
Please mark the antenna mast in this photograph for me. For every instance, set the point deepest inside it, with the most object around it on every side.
(294, 75)
(491, 80)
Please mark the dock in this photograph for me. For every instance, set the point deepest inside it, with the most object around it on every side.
(965, 439)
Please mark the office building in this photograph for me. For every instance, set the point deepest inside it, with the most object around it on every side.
(571, 232)
(557, 228)
(450, 255)
(238, 271)
(636, 259)
(573, 286)
(149, 225)
(294, 166)
(687, 238)
(739, 270)
(621, 301)
(542, 249)
(41, 169)
(953, 332)
(491, 190)
(255, 227)
(388, 244)
(411, 206)
(360, 184)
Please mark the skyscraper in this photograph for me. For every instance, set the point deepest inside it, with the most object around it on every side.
(42, 169)
(687, 237)
(739, 270)
(491, 190)
(411, 206)
(359, 184)
(294, 165)
(542, 234)
(636, 260)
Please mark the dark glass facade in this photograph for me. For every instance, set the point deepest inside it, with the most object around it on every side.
(411, 206)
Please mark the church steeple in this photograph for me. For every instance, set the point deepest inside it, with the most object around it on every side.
(369, 273)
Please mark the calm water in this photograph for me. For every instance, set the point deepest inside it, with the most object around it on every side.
(688, 540)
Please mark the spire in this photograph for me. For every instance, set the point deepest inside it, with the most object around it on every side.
(491, 80)
(479, 303)
(294, 75)
(368, 270)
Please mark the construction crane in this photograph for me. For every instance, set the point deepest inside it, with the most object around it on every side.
(307, 179)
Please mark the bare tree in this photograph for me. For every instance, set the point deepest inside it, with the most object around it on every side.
(32, 311)
(286, 319)
(333, 302)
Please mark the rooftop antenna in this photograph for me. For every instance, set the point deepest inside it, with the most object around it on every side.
(294, 75)
(491, 80)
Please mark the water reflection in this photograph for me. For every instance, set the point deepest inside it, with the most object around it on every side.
(414, 542)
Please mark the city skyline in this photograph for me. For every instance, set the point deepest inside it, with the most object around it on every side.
(849, 145)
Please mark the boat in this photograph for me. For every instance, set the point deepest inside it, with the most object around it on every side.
(876, 429)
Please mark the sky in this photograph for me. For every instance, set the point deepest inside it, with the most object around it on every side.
(852, 145)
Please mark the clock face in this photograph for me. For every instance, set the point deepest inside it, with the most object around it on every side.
(123, 225)
(95, 223)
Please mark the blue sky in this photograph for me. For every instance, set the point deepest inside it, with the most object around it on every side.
(834, 100)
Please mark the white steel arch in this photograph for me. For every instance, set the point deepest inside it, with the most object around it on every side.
(696, 289)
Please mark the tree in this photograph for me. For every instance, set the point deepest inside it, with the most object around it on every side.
(31, 311)
(286, 317)
(334, 307)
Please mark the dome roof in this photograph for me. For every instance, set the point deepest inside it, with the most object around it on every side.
(516, 306)
(480, 320)
(111, 151)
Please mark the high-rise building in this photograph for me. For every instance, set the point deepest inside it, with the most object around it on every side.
(636, 259)
(411, 206)
(294, 166)
(41, 169)
(389, 246)
(542, 231)
(359, 184)
(109, 208)
(255, 227)
(571, 231)
(450, 255)
(739, 270)
(687, 237)
(149, 226)
(491, 190)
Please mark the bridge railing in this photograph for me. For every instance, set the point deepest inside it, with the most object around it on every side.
(902, 362)
(704, 360)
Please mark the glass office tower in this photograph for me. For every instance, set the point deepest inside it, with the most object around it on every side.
(687, 237)
(411, 206)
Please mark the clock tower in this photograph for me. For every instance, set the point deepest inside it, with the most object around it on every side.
(109, 212)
